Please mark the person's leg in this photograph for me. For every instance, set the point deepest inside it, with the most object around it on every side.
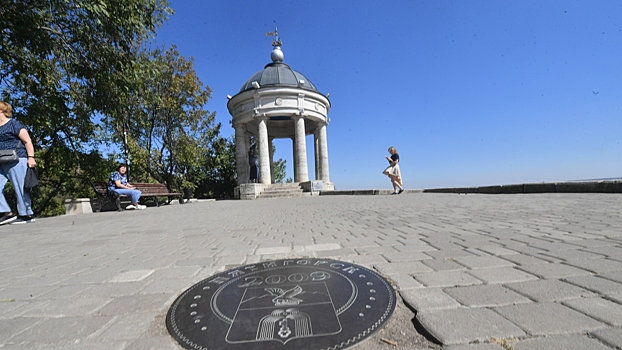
(131, 193)
(17, 174)
(393, 183)
(4, 206)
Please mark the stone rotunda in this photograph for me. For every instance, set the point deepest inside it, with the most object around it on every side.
(279, 102)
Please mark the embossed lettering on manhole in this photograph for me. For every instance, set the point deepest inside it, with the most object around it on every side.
(283, 304)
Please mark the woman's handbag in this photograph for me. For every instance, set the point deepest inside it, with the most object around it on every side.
(31, 182)
(8, 156)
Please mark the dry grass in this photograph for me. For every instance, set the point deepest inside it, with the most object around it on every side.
(506, 343)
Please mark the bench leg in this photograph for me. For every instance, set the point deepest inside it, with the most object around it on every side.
(118, 203)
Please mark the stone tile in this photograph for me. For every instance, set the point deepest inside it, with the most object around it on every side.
(483, 262)
(132, 276)
(520, 259)
(570, 342)
(136, 304)
(596, 284)
(53, 330)
(598, 308)
(402, 268)
(502, 275)
(410, 256)
(548, 271)
(11, 327)
(428, 299)
(447, 279)
(597, 265)
(444, 265)
(405, 282)
(484, 346)
(449, 254)
(460, 326)
(609, 336)
(126, 327)
(548, 319)
(485, 295)
(65, 308)
(88, 345)
(549, 290)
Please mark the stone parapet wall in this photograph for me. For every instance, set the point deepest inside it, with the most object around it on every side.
(544, 187)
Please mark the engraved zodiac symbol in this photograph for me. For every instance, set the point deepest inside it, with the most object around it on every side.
(285, 297)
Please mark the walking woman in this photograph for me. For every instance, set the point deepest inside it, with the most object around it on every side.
(14, 136)
(393, 171)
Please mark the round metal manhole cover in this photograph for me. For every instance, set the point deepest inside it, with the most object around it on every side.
(282, 304)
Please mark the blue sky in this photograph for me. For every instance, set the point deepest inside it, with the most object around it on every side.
(469, 92)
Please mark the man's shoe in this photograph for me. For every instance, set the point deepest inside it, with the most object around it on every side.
(130, 207)
(7, 218)
(23, 220)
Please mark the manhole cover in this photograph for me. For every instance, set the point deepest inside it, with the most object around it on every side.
(283, 304)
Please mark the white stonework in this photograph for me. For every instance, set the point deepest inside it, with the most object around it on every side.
(279, 102)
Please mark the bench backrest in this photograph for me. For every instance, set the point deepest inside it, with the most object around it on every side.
(100, 187)
(148, 188)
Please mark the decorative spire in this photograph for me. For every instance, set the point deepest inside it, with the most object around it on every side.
(276, 55)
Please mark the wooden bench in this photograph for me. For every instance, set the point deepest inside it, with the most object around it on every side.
(149, 191)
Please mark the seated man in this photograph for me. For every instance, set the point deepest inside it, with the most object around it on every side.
(118, 183)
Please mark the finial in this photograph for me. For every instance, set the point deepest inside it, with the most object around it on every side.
(277, 54)
(276, 42)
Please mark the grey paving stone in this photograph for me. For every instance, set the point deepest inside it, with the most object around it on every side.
(485, 346)
(483, 262)
(502, 275)
(125, 327)
(411, 267)
(520, 259)
(597, 265)
(596, 284)
(549, 290)
(548, 271)
(443, 265)
(598, 308)
(447, 279)
(84, 346)
(485, 295)
(548, 319)
(461, 326)
(53, 330)
(405, 282)
(449, 254)
(64, 308)
(136, 304)
(571, 342)
(610, 336)
(410, 256)
(428, 299)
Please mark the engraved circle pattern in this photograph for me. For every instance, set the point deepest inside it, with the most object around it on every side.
(282, 304)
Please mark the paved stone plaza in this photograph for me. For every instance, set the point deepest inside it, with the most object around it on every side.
(538, 271)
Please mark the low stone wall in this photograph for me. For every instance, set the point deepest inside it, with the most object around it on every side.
(544, 187)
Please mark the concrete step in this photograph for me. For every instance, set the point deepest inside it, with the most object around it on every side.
(283, 195)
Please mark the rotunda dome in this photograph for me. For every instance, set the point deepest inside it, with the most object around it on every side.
(278, 73)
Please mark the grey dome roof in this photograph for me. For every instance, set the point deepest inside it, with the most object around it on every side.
(278, 73)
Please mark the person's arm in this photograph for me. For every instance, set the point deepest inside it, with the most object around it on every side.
(120, 185)
(30, 150)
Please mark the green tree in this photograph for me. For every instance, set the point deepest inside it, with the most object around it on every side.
(171, 132)
(63, 65)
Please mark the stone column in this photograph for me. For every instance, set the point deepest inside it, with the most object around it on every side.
(301, 150)
(294, 160)
(316, 155)
(271, 159)
(264, 152)
(323, 154)
(241, 156)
